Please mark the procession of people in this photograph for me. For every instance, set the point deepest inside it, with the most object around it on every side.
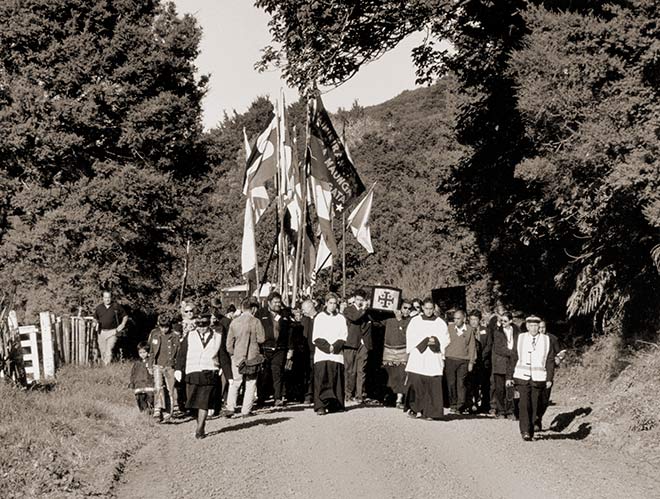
(430, 364)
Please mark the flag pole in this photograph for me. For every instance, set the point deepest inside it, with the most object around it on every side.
(299, 266)
(282, 253)
(343, 228)
(343, 255)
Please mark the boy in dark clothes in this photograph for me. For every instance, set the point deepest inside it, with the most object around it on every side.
(142, 380)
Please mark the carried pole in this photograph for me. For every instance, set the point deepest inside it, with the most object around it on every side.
(184, 278)
(270, 256)
(343, 255)
(343, 229)
(299, 267)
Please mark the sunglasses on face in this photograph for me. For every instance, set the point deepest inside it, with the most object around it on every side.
(188, 311)
(405, 308)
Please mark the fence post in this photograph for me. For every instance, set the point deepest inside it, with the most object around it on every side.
(47, 345)
(33, 346)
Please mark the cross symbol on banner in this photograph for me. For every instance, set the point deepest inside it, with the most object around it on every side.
(386, 299)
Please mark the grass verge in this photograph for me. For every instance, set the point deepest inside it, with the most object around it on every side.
(621, 387)
(72, 440)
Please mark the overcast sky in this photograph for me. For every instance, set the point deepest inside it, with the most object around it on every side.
(234, 32)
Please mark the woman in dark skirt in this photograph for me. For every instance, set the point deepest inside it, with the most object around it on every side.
(198, 358)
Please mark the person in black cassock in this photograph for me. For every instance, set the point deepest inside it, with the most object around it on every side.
(329, 336)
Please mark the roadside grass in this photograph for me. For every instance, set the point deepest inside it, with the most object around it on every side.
(72, 440)
(622, 387)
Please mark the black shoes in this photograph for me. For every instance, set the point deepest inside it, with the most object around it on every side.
(526, 437)
(199, 435)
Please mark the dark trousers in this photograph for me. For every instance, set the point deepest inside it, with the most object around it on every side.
(503, 396)
(355, 368)
(482, 379)
(309, 378)
(456, 371)
(145, 401)
(271, 376)
(530, 401)
(544, 402)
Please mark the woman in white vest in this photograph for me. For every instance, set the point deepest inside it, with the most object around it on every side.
(534, 361)
(198, 358)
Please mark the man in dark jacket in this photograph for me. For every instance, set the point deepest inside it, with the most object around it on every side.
(220, 325)
(277, 348)
(483, 367)
(505, 338)
(357, 347)
(309, 312)
(164, 346)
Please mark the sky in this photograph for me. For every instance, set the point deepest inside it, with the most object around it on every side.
(234, 32)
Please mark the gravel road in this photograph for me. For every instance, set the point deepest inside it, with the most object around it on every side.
(377, 452)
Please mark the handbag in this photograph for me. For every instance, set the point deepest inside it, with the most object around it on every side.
(250, 367)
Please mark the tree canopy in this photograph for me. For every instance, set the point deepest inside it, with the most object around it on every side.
(100, 138)
(555, 109)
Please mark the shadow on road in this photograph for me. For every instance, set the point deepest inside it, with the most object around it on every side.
(581, 433)
(564, 420)
(248, 424)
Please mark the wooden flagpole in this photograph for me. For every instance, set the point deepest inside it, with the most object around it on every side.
(184, 279)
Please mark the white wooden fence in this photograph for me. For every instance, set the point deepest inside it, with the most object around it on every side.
(57, 341)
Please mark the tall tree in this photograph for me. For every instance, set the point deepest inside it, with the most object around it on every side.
(100, 136)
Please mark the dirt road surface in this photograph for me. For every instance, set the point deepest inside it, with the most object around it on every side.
(378, 452)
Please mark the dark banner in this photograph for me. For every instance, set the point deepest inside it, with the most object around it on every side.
(330, 162)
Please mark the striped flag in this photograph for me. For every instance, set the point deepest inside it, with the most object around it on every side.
(358, 221)
(261, 167)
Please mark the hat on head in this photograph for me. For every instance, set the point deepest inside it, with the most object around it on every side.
(533, 318)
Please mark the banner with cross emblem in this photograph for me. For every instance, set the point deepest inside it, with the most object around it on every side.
(385, 298)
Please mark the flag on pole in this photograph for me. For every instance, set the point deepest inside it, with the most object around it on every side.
(261, 167)
(358, 221)
(322, 195)
(249, 248)
(323, 260)
(330, 161)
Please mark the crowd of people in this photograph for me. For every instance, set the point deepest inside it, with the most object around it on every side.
(430, 364)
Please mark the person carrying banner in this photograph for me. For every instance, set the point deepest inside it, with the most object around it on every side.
(277, 349)
(358, 345)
